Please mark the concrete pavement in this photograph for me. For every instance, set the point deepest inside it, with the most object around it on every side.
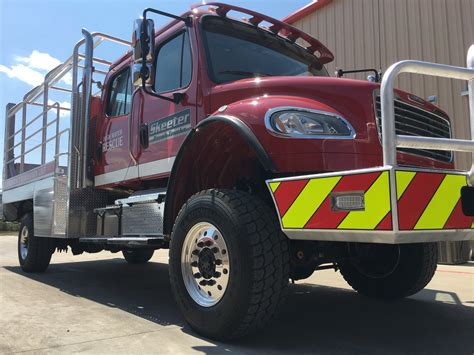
(97, 303)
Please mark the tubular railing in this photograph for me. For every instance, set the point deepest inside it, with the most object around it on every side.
(391, 140)
(81, 110)
(81, 92)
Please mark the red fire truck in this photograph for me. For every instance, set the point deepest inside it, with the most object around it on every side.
(227, 141)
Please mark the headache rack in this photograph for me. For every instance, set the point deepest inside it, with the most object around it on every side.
(46, 157)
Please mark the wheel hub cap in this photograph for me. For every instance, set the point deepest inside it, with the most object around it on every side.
(205, 264)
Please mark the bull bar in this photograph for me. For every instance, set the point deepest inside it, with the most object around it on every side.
(386, 217)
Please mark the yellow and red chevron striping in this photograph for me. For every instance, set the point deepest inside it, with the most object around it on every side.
(324, 217)
(431, 201)
(425, 201)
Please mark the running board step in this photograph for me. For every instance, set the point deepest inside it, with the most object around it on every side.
(143, 197)
(140, 214)
(132, 241)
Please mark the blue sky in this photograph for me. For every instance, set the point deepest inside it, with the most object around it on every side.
(36, 35)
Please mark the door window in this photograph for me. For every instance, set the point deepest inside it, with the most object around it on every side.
(173, 64)
(120, 95)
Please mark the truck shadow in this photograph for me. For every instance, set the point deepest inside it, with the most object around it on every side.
(315, 319)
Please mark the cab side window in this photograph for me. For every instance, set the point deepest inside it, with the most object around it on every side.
(173, 64)
(120, 95)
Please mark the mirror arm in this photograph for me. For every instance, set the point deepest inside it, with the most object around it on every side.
(177, 97)
(145, 72)
(187, 20)
(340, 73)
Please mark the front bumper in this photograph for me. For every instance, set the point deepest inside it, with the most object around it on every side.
(401, 205)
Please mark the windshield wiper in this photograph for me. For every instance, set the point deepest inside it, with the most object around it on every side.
(243, 73)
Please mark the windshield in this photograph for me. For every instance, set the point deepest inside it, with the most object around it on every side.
(236, 51)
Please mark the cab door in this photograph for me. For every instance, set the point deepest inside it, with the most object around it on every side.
(113, 163)
(167, 123)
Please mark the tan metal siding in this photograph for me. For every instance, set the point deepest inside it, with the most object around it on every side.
(377, 33)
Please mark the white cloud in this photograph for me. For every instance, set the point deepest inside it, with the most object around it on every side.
(23, 73)
(38, 60)
(32, 69)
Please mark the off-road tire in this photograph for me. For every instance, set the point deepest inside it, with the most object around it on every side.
(40, 249)
(416, 267)
(140, 256)
(259, 260)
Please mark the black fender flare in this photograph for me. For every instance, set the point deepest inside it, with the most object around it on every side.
(244, 131)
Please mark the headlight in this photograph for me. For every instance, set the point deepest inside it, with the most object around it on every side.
(301, 122)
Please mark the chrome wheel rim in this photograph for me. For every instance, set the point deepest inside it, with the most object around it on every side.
(205, 265)
(24, 243)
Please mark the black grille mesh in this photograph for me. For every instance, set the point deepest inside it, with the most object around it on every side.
(414, 121)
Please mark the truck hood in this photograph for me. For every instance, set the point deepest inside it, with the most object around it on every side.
(355, 100)
(310, 87)
(335, 92)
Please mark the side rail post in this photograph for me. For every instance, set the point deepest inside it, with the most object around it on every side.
(470, 86)
(8, 154)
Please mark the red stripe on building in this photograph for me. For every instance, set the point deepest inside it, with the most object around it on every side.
(458, 219)
(325, 217)
(287, 193)
(416, 198)
(386, 223)
(306, 10)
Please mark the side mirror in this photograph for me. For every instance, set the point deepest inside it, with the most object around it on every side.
(143, 43)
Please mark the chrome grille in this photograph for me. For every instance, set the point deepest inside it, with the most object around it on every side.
(411, 120)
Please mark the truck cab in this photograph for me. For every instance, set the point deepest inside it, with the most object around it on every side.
(227, 141)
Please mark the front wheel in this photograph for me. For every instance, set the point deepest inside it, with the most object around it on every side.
(34, 253)
(229, 263)
(390, 271)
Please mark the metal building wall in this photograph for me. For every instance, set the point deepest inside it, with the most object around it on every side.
(377, 33)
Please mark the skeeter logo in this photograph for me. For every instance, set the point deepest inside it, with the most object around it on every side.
(171, 126)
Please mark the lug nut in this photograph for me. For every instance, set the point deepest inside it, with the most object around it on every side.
(200, 244)
(215, 250)
(195, 252)
(197, 275)
(209, 243)
(217, 274)
(211, 282)
(194, 264)
(203, 283)
(218, 262)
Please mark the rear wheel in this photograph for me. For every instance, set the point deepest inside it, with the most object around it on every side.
(34, 253)
(140, 256)
(229, 263)
(390, 271)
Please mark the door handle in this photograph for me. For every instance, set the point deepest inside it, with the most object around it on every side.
(144, 137)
